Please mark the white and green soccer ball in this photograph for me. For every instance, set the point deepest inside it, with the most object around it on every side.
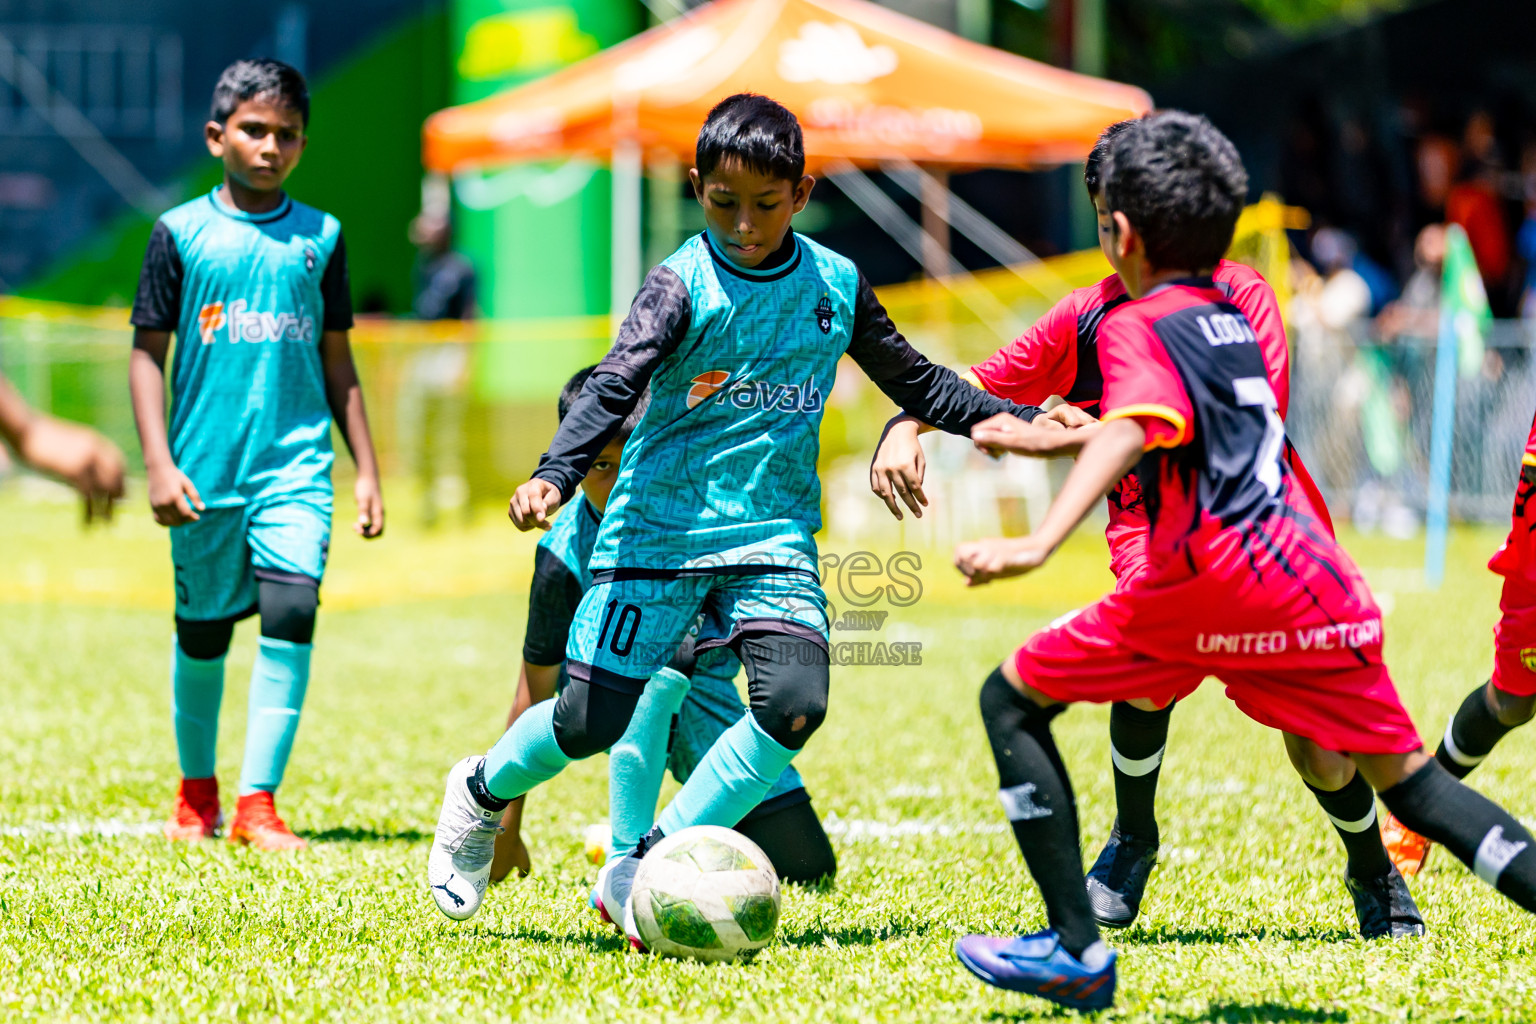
(705, 893)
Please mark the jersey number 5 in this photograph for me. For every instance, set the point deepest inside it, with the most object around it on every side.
(1266, 466)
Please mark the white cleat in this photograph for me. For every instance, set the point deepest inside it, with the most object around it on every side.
(611, 893)
(631, 932)
(459, 865)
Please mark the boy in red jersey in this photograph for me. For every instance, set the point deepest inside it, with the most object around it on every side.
(1508, 699)
(1059, 356)
(1242, 580)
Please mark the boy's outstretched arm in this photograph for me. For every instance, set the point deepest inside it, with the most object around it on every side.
(344, 394)
(933, 394)
(172, 496)
(657, 321)
(1114, 449)
(78, 455)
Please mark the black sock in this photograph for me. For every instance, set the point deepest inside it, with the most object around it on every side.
(1037, 795)
(1353, 813)
(794, 841)
(1136, 742)
(1483, 836)
(483, 796)
(650, 839)
(1470, 735)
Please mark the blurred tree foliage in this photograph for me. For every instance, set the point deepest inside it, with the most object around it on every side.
(1153, 39)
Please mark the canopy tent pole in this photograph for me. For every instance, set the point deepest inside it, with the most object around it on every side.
(967, 220)
(933, 193)
(628, 168)
(664, 207)
(908, 234)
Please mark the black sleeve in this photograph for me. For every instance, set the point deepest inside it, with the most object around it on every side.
(934, 394)
(552, 601)
(336, 290)
(657, 322)
(157, 303)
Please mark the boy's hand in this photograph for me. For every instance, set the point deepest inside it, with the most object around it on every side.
(982, 561)
(533, 503)
(1044, 436)
(510, 853)
(84, 459)
(370, 507)
(898, 468)
(172, 497)
(1069, 416)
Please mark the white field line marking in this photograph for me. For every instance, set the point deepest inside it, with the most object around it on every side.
(73, 829)
(859, 830)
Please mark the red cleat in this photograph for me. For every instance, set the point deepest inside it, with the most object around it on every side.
(196, 814)
(257, 824)
(1405, 847)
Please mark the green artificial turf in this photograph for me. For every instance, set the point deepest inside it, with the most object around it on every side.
(416, 656)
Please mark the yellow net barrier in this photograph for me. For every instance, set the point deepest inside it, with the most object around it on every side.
(461, 411)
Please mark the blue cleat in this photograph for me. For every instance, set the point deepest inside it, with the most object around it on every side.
(1036, 964)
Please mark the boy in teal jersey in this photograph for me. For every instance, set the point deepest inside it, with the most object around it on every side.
(685, 708)
(254, 286)
(738, 335)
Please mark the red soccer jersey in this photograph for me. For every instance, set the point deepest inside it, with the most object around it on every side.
(1059, 355)
(1188, 364)
(1516, 558)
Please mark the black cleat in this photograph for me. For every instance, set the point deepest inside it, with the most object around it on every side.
(1118, 880)
(1385, 907)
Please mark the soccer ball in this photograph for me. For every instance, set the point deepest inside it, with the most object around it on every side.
(705, 893)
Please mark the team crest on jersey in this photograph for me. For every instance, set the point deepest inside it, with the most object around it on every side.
(1528, 658)
(252, 325)
(209, 319)
(824, 315)
(309, 258)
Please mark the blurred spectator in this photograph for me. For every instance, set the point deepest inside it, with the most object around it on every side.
(1474, 203)
(444, 280)
(1416, 313)
(1344, 294)
(433, 398)
(1525, 242)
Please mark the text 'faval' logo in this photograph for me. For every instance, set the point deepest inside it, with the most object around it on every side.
(209, 319)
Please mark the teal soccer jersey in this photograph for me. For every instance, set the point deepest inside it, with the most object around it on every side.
(247, 296)
(720, 474)
(713, 705)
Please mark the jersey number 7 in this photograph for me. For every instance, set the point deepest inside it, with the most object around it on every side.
(1266, 466)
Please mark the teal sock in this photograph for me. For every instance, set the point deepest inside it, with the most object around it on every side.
(526, 754)
(732, 779)
(197, 689)
(278, 681)
(638, 761)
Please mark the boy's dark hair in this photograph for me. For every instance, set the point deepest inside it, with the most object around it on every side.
(1093, 167)
(247, 79)
(573, 388)
(1181, 184)
(755, 130)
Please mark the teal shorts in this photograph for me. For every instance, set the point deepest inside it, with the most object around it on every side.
(628, 627)
(219, 558)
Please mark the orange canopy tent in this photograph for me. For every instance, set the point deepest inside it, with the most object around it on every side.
(867, 83)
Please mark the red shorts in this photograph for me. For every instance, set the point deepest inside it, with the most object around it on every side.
(1128, 533)
(1514, 640)
(1281, 616)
